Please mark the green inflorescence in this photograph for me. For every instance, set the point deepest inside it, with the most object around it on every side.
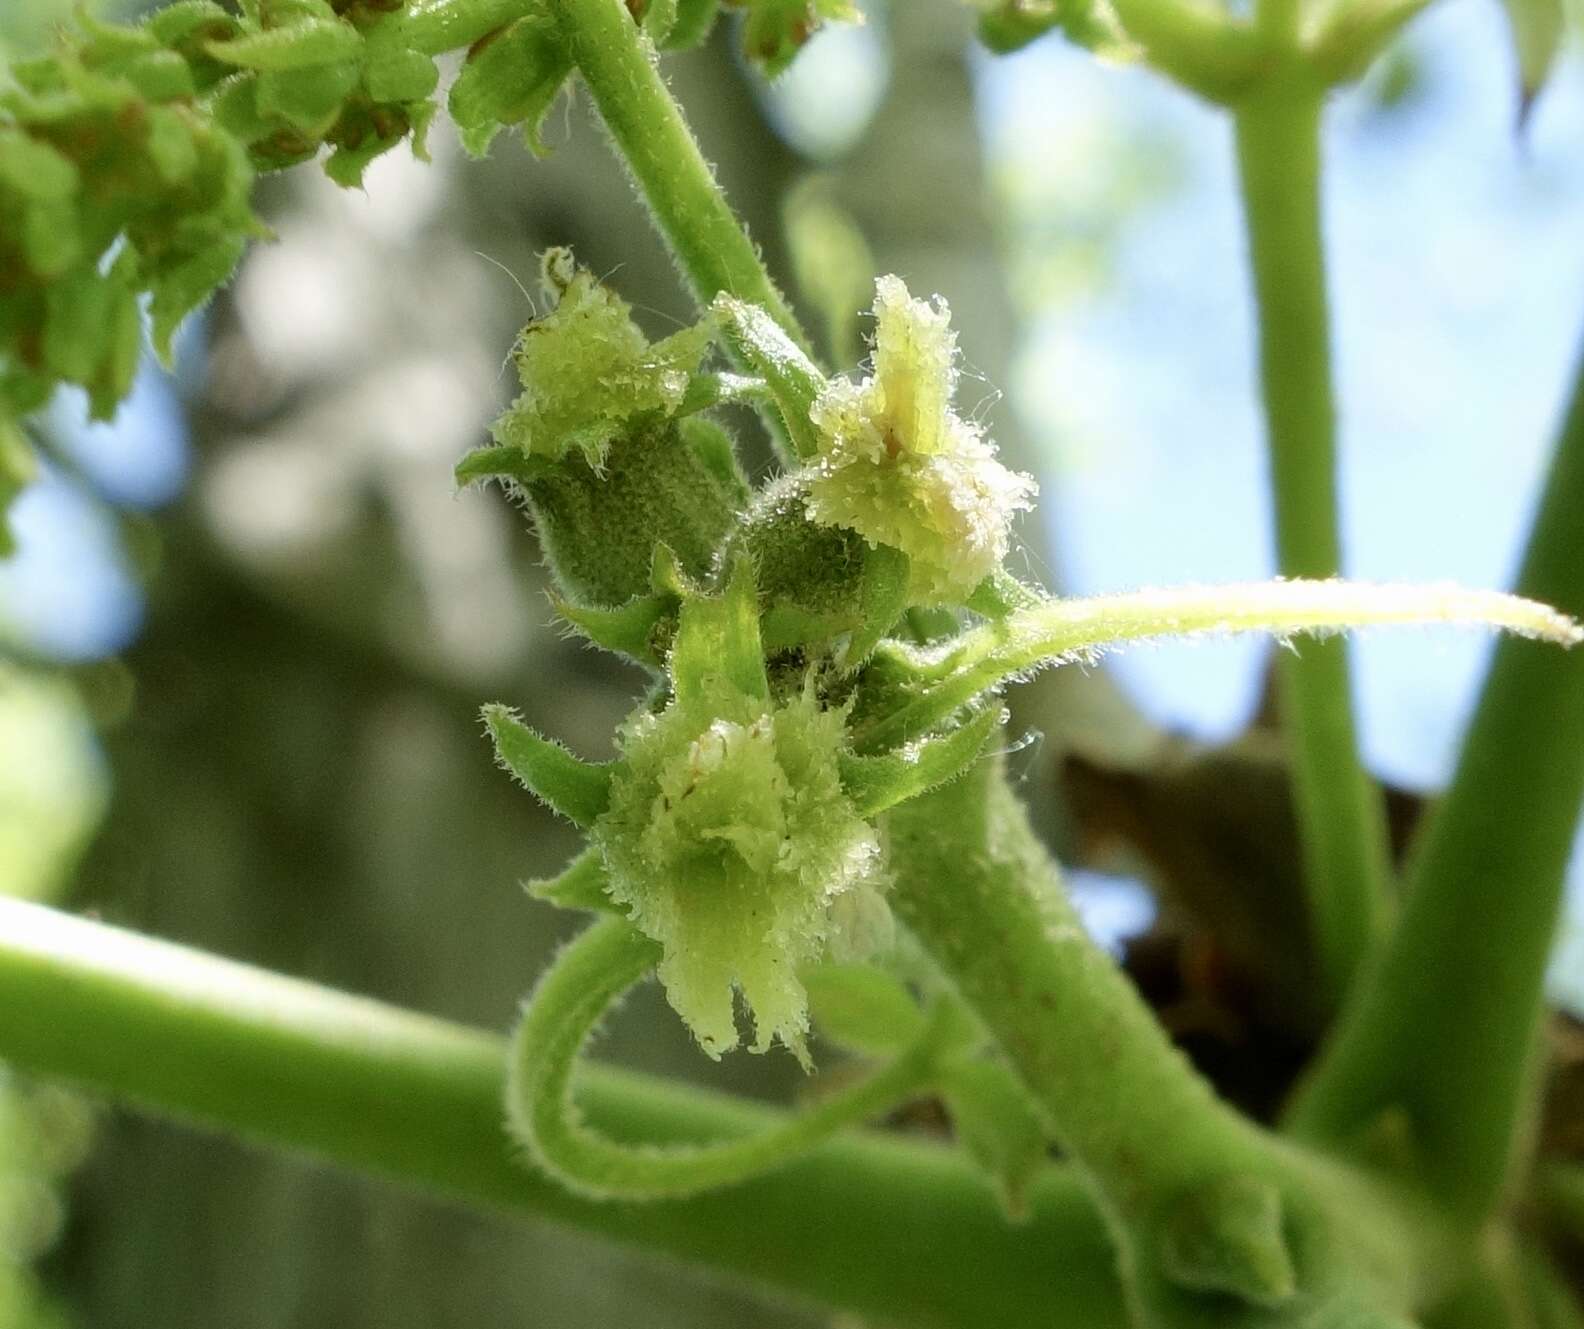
(114, 184)
(901, 468)
(305, 75)
(127, 157)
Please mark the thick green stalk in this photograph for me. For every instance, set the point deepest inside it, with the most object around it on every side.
(1340, 813)
(1080, 1036)
(713, 250)
(1448, 1023)
(901, 1231)
(1169, 1162)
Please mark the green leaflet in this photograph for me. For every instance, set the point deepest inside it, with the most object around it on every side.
(831, 262)
(998, 1127)
(631, 629)
(659, 17)
(861, 1008)
(499, 462)
(91, 337)
(717, 643)
(307, 43)
(182, 288)
(884, 593)
(17, 469)
(774, 31)
(511, 77)
(1226, 1236)
(793, 380)
(713, 446)
(578, 790)
(881, 782)
(692, 25)
(581, 885)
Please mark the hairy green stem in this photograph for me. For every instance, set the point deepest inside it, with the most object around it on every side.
(646, 124)
(1089, 1049)
(941, 680)
(1447, 1026)
(570, 999)
(883, 1227)
(1170, 1163)
(1340, 813)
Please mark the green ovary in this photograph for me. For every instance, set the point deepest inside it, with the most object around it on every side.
(730, 840)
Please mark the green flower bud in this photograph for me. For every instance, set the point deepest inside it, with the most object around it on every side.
(610, 467)
(307, 98)
(111, 111)
(898, 466)
(91, 336)
(820, 585)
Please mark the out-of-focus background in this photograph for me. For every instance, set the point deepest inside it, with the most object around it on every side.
(248, 626)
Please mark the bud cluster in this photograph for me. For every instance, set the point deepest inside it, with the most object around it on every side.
(113, 183)
(127, 156)
(738, 827)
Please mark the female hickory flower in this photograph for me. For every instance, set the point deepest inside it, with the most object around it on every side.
(737, 827)
(731, 842)
(900, 467)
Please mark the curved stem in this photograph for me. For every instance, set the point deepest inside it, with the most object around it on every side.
(1448, 1024)
(1341, 817)
(570, 999)
(882, 1227)
(646, 124)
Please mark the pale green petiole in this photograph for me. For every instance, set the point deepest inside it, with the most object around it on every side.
(1064, 631)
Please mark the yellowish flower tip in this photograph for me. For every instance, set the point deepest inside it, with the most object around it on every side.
(732, 843)
(588, 372)
(900, 467)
